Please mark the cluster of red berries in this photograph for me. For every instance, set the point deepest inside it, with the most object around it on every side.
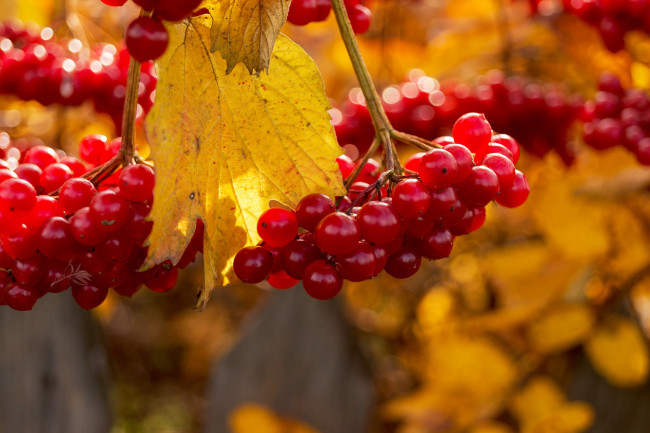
(612, 18)
(303, 12)
(59, 231)
(537, 115)
(146, 37)
(388, 223)
(33, 66)
(617, 116)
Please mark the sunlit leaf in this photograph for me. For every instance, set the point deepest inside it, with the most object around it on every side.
(561, 327)
(225, 145)
(255, 418)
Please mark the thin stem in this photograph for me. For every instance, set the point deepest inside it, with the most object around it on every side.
(130, 111)
(373, 102)
(414, 140)
(355, 173)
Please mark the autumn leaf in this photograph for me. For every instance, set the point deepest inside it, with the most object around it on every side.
(225, 145)
(561, 327)
(246, 30)
(618, 351)
(255, 418)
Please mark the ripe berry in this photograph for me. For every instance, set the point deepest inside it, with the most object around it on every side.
(379, 223)
(281, 280)
(438, 169)
(322, 281)
(403, 263)
(55, 237)
(413, 162)
(437, 244)
(346, 165)
(31, 173)
(54, 175)
(92, 147)
(45, 208)
(253, 264)
(297, 255)
(162, 278)
(516, 194)
(358, 265)
(359, 18)
(146, 39)
(411, 198)
(277, 227)
(480, 187)
(136, 182)
(473, 131)
(20, 244)
(20, 298)
(174, 10)
(76, 193)
(313, 208)
(302, 12)
(502, 167)
(41, 156)
(337, 233)
(464, 160)
(84, 230)
(108, 210)
(89, 296)
(17, 195)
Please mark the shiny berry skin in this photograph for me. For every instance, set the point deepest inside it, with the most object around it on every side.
(77, 167)
(509, 143)
(116, 248)
(162, 278)
(136, 182)
(76, 193)
(30, 271)
(323, 9)
(502, 167)
(403, 263)
(175, 10)
(20, 244)
(358, 265)
(313, 208)
(346, 165)
(32, 174)
(359, 18)
(297, 255)
(45, 208)
(474, 132)
(253, 264)
(322, 281)
(137, 226)
(379, 222)
(337, 233)
(480, 187)
(108, 210)
(438, 169)
(131, 285)
(277, 257)
(114, 2)
(146, 39)
(381, 258)
(58, 277)
(7, 174)
(17, 195)
(54, 175)
(516, 194)
(277, 227)
(55, 237)
(281, 280)
(84, 230)
(411, 198)
(442, 203)
(89, 296)
(41, 156)
(413, 162)
(20, 298)
(437, 244)
(302, 12)
(92, 147)
(464, 160)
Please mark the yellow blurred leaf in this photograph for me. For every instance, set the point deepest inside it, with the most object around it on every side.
(618, 351)
(561, 327)
(31, 11)
(246, 30)
(255, 418)
(434, 314)
(225, 145)
(491, 427)
(541, 407)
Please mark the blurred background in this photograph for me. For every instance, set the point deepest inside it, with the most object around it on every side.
(537, 323)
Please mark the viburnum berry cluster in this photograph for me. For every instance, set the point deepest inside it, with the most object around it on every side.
(388, 222)
(612, 18)
(60, 231)
(33, 66)
(146, 37)
(537, 115)
(303, 12)
(618, 116)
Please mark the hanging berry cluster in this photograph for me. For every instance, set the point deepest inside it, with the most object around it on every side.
(303, 12)
(60, 231)
(388, 222)
(146, 37)
(33, 66)
(612, 18)
(617, 116)
(537, 115)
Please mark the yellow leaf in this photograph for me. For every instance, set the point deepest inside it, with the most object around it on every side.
(490, 427)
(30, 11)
(224, 145)
(246, 30)
(561, 327)
(255, 418)
(618, 351)
(541, 407)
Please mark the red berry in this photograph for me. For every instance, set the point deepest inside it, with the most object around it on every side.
(162, 278)
(77, 167)
(379, 223)
(174, 10)
(114, 2)
(502, 167)
(32, 174)
(75, 194)
(281, 280)
(404, 263)
(515, 195)
(116, 248)
(277, 227)
(313, 208)
(464, 160)
(438, 169)
(54, 175)
(108, 210)
(92, 147)
(84, 230)
(29, 271)
(21, 244)
(346, 165)
(302, 12)
(337, 233)
(359, 18)
(437, 244)
(89, 296)
(136, 182)
(146, 39)
(480, 187)
(45, 208)
(411, 198)
(20, 298)
(17, 195)
(55, 237)
(358, 265)
(297, 255)
(413, 162)
(253, 264)
(473, 131)
(322, 281)
(41, 156)
(138, 227)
